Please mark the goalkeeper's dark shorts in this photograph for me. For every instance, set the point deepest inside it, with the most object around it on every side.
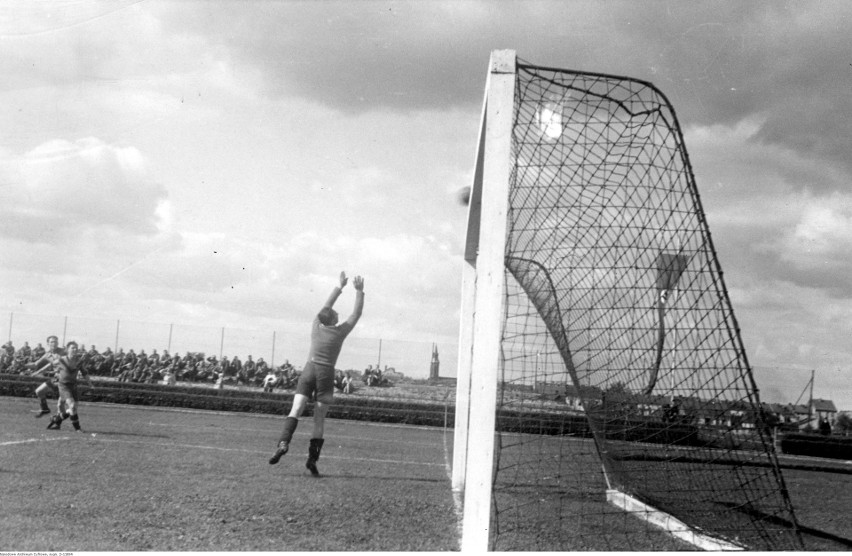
(317, 379)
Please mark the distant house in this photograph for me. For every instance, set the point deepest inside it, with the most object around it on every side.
(567, 392)
(649, 405)
(729, 414)
(803, 416)
(822, 410)
(785, 415)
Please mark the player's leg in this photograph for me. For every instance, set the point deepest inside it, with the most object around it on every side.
(317, 440)
(62, 403)
(56, 420)
(71, 405)
(300, 401)
(42, 392)
(306, 386)
(325, 397)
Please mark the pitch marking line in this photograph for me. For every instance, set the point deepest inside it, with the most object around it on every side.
(244, 450)
(208, 428)
(31, 440)
(457, 499)
(108, 405)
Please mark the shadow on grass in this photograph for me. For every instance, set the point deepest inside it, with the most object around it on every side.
(806, 531)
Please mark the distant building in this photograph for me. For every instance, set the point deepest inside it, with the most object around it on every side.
(566, 392)
(822, 410)
(804, 416)
(434, 367)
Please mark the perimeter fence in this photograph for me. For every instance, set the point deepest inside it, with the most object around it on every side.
(413, 359)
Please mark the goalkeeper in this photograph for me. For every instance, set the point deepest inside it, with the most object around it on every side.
(317, 377)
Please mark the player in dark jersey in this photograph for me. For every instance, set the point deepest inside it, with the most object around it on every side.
(317, 377)
(44, 365)
(67, 368)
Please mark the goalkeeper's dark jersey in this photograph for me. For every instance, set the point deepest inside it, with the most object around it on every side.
(327, 341)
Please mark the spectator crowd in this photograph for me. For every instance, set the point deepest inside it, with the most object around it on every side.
(154, 367)
(166, 368)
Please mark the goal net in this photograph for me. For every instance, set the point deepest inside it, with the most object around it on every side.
(624, 408)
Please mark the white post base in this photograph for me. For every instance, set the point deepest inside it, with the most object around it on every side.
(666, 522)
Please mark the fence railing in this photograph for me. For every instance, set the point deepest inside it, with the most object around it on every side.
(412, 358)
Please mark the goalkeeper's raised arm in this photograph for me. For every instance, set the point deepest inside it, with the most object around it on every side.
(329, 317)
(358, 282)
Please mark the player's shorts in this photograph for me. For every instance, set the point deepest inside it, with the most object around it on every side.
(68, 391)
(317, 378)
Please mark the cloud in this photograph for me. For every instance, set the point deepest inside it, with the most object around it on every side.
(775, 213)
(410, 281)
(778, 320)
(823, 234)
(60, 189)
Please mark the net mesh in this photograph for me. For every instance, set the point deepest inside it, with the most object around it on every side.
(622, 364)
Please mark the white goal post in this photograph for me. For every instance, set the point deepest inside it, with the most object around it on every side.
(482, 305)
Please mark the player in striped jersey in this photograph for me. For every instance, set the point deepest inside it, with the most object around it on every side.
(45, 365)
(67, 369)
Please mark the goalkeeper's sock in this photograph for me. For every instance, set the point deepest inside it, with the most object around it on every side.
(290, 424)
(75, 420)
(64, 415)
(313, 455)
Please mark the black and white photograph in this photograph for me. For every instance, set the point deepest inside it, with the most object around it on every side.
(425, 276)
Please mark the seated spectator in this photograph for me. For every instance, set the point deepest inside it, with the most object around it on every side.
(204, 373)
(169, 378)
(105, 363)
(260, 372)
(139, 370)
(236, 369)
(190, 370)
(269, 382)
(38, 351)
(249, 370)
(24, 351)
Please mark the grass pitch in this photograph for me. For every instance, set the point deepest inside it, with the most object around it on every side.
(144, 479)
(151, 479)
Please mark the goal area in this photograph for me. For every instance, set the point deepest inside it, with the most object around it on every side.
(604, 398)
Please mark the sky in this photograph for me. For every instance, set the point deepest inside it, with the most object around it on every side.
(218, 163)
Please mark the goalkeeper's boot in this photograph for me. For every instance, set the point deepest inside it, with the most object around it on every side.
(283, 446)
(284, 442)
(313, 455)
